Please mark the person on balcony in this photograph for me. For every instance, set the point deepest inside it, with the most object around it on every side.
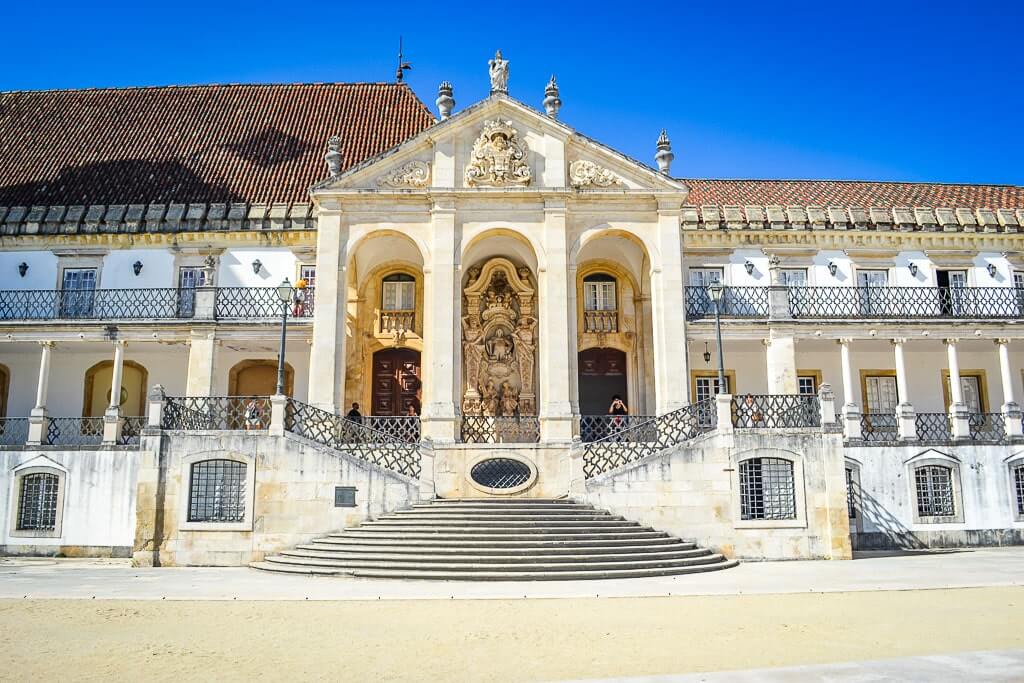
(253, 415)
(618, 411)
(354, 414)
(754, 413)
(299, 299)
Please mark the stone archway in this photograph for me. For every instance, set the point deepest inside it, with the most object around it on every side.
(257, 377)
(499, 340)
(132, 400)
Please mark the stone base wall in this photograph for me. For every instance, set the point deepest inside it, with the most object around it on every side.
(692, 491)
(549, 465)
(290, 497)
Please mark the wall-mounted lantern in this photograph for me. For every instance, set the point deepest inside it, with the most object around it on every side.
(832, 268)
(137, 268)
(707, 354)
(913, 269)
(257, 265)
(749, 265)
(22, 268)
(992, 270)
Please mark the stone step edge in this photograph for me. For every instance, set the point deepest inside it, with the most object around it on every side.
(317, 553)
(497, 550)
(525, 565)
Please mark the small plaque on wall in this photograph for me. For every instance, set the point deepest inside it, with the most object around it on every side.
(344, 496)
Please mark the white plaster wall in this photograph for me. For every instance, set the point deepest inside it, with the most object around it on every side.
(99, 498)
(41, 274)
(235, 268)
(157, 269)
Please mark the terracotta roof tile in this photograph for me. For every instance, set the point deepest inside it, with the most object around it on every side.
(852, 193)
(209, 143)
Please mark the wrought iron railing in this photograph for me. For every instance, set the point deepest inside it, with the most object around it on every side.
(906, 302)
(86, 304)
(737, 302)
(402, 427)
(131, 430)
(597, 427)
(216, 412)
(877, 427)
(74, 431)
(601, 322)
(774, 411)
(511, 429)
(13, 431)
(259, 302)
(360, 440)
(988, 427)
(648, 438)
(397, 321)
(933, 427)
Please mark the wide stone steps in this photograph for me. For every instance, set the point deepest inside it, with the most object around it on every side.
(497, 539)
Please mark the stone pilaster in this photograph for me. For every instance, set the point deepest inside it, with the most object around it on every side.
(557, 328)
(442, 337)
(672, 383)
(327, 352)
(202, 355)
(780, 356)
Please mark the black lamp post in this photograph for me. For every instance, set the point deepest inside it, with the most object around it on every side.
(715, 291)
(285, 293)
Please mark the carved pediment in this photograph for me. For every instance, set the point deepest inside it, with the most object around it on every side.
(498, 158)
(415, 174)
(583, 173)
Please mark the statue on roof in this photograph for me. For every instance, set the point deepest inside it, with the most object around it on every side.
(499, 73)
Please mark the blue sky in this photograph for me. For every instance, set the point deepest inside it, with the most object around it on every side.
(886, 91)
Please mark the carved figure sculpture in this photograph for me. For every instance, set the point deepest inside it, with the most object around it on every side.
(489, 400)
(509, 400)
(499, 347)
(498, 71)
(498, 158)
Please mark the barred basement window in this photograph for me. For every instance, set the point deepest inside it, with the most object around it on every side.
(934, 491)
(1018, 484)
(217, 491)
(37, 507)
(851, 504)
(766, 489)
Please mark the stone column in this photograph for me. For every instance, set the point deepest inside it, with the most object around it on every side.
(780, 352)
(958, 413)
(557, 328)
(1011, 410)
(201, 361)
(906, 422)
(778, 293)
(112, 416)
(38, 421)
(672, 376)
(442, 338)
(851, 411)
(327, 353)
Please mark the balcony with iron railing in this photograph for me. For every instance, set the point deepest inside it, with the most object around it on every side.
(164, 304)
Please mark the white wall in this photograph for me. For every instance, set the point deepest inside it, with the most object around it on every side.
(41, 274)
(236, 267)
(157, 269)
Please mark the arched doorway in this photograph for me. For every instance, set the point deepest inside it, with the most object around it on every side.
(97, 389)
(396, 382)
(258, 378)
(602, 374)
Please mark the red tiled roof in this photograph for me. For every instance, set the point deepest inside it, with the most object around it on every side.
(853, 193)
(207, 143)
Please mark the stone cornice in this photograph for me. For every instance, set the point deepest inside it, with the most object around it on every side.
(264, 238)
(852, 240)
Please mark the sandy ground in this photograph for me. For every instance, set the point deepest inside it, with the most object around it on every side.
(493, 640)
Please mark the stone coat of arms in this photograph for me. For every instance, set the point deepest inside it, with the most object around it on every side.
(498, 158)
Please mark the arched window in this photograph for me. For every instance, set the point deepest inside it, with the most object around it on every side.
(217, 491)
(599, 292)
(766, 489)
(37, 504)
(1018, 486)
(934, 485)
(399, 293)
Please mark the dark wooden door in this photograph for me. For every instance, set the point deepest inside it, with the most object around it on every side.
(602, 375)
(396, 381)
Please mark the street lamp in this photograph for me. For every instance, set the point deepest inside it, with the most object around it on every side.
(285, 293)
(715, 291)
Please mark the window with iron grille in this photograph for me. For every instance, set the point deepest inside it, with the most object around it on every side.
(37, 506)
(1018, 485)
(934, 491)
(766, 489)
(217, 491)
(851, 492)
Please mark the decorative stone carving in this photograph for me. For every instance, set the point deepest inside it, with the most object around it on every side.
(498, 343)
(498, 71)
(498, 158)
(334, 157)
(415, 174)
(583, 173)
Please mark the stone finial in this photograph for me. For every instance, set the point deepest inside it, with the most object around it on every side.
(498, 71)
(551, 101)
(445, 102)
(334, 157)
(664, 156)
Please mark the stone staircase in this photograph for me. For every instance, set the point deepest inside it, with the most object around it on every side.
(498, 540)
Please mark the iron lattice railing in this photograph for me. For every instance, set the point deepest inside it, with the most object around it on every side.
(85, 304)
(402, 427)
(601, 322)
(597, 427)
(131, 430)
(648, 438)
(484, 429)
(13, 431)
(989, 427)
(397, 321)
(216, 412)
(933, 427)
(74, 431)
(355, 438)
(737, 302)
(774, 411)
(906, 302)
(259, 302)
(879, 427)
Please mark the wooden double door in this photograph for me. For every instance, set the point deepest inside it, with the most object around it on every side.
(396, 382)
(602, 374)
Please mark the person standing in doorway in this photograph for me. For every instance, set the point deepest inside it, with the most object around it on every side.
(618, 411)
(354, 414)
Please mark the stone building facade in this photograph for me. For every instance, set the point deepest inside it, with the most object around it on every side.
(482, 284)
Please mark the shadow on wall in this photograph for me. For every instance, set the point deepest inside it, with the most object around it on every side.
(890, 533)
